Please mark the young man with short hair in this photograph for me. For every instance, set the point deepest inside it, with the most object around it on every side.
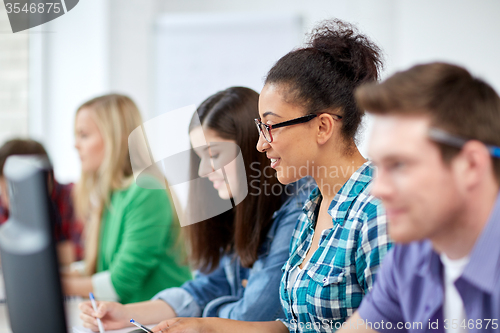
(436, 143)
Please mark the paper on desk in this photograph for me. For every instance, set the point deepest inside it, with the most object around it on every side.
(81, 329)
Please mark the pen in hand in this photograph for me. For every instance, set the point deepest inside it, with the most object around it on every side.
(144, 328)
(99, 323)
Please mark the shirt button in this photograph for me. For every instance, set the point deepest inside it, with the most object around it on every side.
(324, 280)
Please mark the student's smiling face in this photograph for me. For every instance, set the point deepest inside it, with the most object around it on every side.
(213, 152)
(293, 148)
(420, 192)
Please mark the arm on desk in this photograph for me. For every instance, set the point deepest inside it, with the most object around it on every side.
(218, 325)
(77, 285)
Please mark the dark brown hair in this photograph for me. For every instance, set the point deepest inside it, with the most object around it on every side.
(243, 229)
(20, 147)
(456, 101)
(322, 76)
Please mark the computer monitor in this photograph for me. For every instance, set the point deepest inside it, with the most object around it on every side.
(27, 250)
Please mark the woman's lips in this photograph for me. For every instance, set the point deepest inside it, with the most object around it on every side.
(275, 162)
(217, 183)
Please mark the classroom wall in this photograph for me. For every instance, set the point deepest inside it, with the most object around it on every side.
(110, 42)
(13, 81)
(69, 59)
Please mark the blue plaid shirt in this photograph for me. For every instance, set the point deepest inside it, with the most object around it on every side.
(342, 270)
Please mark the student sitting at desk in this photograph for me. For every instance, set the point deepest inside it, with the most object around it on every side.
(436, 142)
(132, 249)
(308, 123)
(241, 251)
(67, 230)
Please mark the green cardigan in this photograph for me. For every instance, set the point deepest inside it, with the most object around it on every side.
(139, 246)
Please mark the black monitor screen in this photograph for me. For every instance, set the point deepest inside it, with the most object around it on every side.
(29, 260)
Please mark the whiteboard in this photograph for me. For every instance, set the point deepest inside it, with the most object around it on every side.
(197, 55)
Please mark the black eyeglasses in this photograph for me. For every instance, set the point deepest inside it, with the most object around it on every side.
(265, 129)
(438, 135)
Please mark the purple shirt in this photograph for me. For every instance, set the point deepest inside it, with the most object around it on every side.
(409, 287)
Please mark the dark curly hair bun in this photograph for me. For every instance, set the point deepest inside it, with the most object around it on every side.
(323, 75)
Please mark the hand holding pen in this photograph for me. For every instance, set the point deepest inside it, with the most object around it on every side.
(94, 306)
(112, 315)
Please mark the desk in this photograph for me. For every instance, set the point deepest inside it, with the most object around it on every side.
(72, 315)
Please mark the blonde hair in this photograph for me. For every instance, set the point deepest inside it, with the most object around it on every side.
(116, 116)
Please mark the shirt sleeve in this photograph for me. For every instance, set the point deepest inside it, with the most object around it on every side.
(382, 303)
(64, 206)
(103, 288)
(4, 213)
(211, 295)
(285, 322)
(373, 245)
(147, 222)
(183, 304)
(261, 301)
(191, 298)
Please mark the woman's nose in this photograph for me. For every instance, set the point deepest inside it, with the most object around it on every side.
(262, 144)
(206, 167)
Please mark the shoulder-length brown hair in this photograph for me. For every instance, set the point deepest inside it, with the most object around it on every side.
(231, 113)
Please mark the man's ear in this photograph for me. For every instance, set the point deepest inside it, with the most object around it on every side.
(473, 163)
(326, 125)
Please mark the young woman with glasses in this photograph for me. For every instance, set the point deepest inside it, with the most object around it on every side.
(238, 252)
(308, 123)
